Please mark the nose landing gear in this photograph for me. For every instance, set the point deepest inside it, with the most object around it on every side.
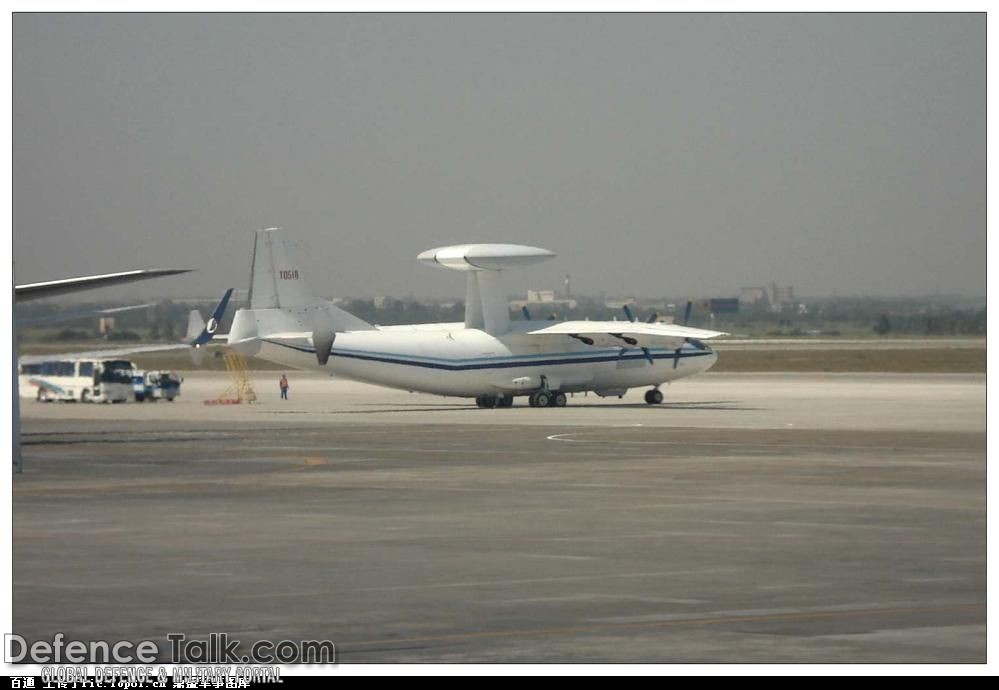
(653, 396)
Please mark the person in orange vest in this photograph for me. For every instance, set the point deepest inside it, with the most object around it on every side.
(283, 383)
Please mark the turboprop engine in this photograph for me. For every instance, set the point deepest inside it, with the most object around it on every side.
(323, 336)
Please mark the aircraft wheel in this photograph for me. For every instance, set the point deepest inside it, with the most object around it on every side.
(541, 399)
(558, 399)
(486, 401)
(505, 401)
(43, 395)
(653, 396)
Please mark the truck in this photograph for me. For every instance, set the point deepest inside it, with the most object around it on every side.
(155, 385)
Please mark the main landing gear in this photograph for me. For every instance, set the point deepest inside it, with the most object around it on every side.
(653, 396)
(547, 399)
(541, 398)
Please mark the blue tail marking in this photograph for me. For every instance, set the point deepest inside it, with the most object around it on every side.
(213, 322)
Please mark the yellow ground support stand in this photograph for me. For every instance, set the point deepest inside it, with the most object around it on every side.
(241, 388)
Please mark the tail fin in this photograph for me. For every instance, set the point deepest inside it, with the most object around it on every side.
(276, 279)
(207, 330)
(277, 282)
(195, 325)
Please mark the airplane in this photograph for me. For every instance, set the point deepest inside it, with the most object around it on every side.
(487, 357)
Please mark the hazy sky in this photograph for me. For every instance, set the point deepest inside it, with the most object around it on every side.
(656, 154)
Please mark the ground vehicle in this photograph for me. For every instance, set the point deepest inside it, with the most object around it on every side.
(156, 385)
(139, 385)
(82, 380)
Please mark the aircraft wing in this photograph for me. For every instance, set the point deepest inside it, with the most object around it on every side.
(63, 317)
(626, 333)
(108, 353)
(199, 334)
(65, 286)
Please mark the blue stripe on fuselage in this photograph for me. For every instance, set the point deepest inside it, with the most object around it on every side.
(503, 362)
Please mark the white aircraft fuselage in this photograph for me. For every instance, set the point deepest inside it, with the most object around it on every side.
(449, 359)
(488, 356)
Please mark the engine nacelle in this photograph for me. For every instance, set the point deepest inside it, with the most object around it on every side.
(323, 342)
(323, 336)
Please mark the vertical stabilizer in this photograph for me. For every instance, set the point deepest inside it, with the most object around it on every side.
(277, 279)
(278, 282)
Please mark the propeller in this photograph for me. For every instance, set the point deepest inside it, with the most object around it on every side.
(686, 318)
(632, 341)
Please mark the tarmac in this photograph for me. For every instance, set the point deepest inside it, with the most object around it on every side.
(752, 518)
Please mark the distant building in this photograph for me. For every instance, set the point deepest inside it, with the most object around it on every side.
(773, 295)
(781, 294)
(546, 298)
(752, 295)
(620, 303)
(723, 305)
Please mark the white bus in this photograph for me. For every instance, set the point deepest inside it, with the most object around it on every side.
(83, 380)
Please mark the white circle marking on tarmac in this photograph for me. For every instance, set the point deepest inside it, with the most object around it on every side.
(563, 439)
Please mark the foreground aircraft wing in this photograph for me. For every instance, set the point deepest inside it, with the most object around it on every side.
(625, 333)
(204, 334)
(52, 288)
(109, 353)
(63, 317)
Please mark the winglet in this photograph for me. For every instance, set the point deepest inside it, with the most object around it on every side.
(213, 323)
